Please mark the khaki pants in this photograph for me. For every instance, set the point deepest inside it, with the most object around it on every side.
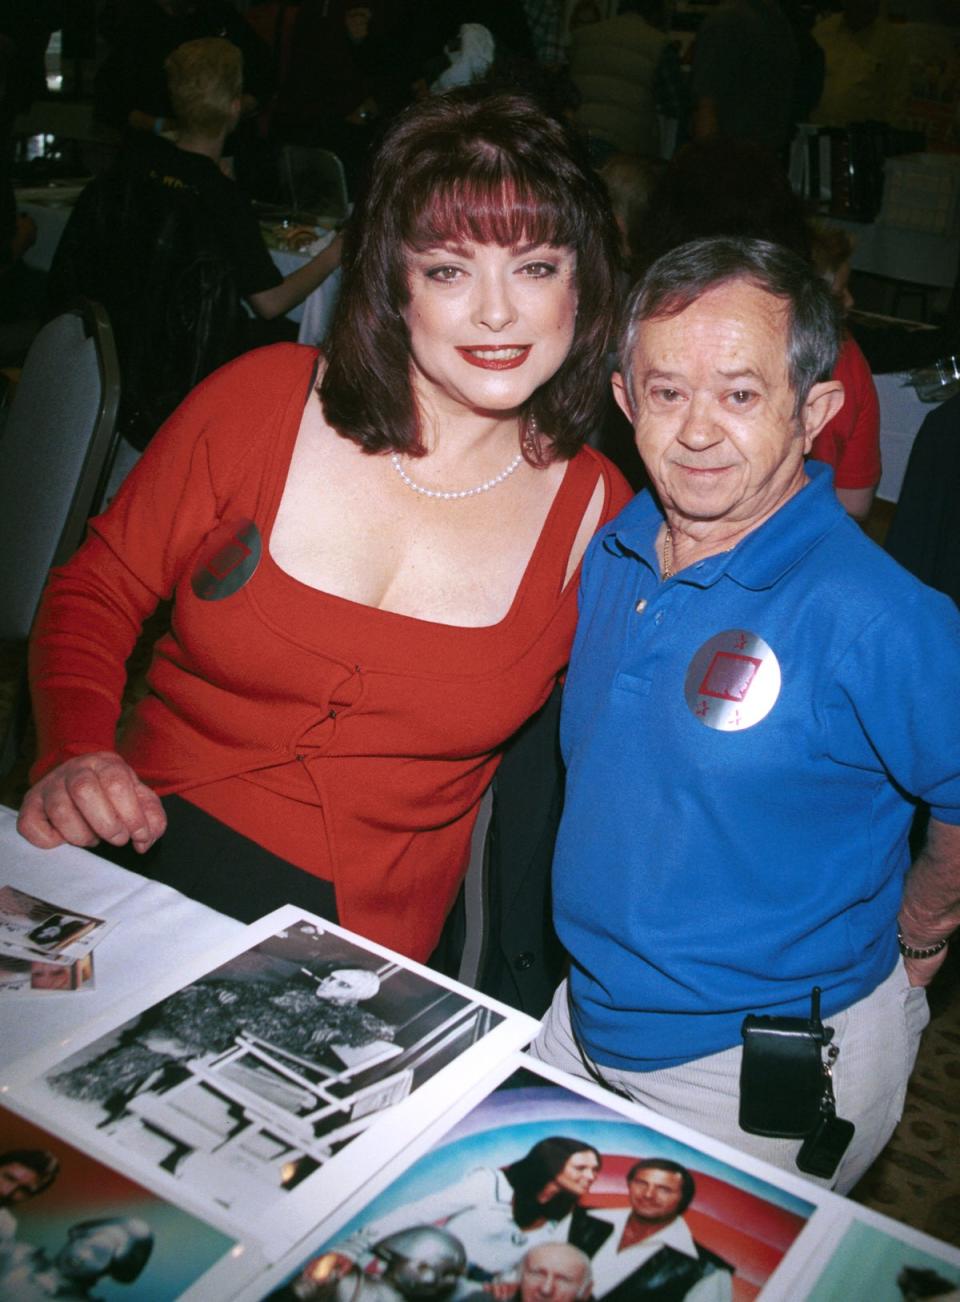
(878, 1040)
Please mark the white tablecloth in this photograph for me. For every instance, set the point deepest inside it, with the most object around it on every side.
(51, 217)
(901, 415)
(156, 930)
(315, 313)
(919, 257)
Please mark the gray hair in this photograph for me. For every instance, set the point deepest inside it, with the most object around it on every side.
(680, 277)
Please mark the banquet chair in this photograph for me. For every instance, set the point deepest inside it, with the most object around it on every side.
(55, 453)
(151, 254)
(313, 181)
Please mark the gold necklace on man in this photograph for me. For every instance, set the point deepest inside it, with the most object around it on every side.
(666, 569)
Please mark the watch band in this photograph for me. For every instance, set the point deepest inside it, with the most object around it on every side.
(914, 951)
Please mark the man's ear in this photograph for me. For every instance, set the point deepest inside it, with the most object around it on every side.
(620, 394)
(823, 402)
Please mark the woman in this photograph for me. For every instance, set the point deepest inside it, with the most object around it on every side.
(851, 441)
(498, 1214)
(373, 578)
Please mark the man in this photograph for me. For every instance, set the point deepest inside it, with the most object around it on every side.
(554, 1272)
(757, 698)
(24, 1173)
(866, 66)
(118, 1247)
(131, 88)
(645, 1249)
(620, 65)
(169, 245)
(744, 74)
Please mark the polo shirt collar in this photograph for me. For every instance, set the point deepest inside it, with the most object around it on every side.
(762, 558)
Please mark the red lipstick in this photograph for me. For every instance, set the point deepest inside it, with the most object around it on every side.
(512, 355)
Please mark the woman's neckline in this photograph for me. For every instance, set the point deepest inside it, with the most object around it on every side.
(283, 458)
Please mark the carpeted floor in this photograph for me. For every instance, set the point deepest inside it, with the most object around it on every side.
(917, 1179)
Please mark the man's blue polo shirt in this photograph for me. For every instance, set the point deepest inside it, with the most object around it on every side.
(705, 872)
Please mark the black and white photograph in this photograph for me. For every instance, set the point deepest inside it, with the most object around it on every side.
(33, 927)
(244, 1083)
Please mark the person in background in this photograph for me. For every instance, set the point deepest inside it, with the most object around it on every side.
(735, 187)
(545, 23)
(851, 441)
(924, 535)
(864, 66)
(131, 89)
(630, 182)
(344, 79)
(801, 693)
(744, 75)
(19, 316)
(623, 67)
(205, 79)
(206, 89)
(172, 248)
(372, 555)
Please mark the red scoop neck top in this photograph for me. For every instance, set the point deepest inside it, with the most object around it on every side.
(354, 742)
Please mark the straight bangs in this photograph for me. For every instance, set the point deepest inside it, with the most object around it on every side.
(492, 207)
(465, 168)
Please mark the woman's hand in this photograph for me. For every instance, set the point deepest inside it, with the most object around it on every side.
(88, 799)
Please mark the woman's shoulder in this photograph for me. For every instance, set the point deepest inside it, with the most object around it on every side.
(231, 418)
(259, 377)
(601, 471)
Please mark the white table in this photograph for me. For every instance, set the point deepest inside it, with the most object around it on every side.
(50, 210)
(156, 930)
(917, 257)
(315, 313)
(901, 415)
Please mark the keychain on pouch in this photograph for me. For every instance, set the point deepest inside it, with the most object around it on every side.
(786, 1087)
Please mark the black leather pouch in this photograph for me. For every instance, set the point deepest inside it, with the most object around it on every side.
(781, 1076)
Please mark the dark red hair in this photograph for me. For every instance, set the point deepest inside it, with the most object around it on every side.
(491, 169)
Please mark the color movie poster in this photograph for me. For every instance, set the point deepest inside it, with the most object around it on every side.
(890, 1264)
(71, 1227)
(735, 1227)
(236, 1092)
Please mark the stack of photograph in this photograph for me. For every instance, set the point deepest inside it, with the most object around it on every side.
(45, 946)
(306, 1115)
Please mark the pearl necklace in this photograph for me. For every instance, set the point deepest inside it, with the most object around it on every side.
(449, 495)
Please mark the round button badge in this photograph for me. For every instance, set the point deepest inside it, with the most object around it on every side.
(230, 560)
(733, 681)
